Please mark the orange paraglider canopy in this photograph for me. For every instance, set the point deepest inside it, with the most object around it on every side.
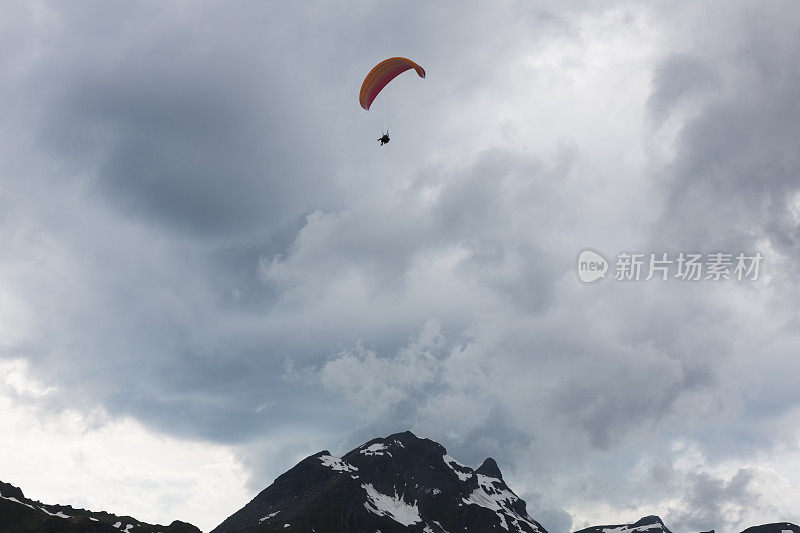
(381, 75)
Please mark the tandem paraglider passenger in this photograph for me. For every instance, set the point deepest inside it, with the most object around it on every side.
(384, 138)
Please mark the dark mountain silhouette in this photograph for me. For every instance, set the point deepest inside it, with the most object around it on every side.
(647, 524)
(777, 527)
(397, 484)
(653, 524)
(19, 514)
(400, 483)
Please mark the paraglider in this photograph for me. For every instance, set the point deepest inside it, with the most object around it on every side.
(375, 88)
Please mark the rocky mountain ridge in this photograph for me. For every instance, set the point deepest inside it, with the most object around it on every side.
(19, 514)
(397, 484)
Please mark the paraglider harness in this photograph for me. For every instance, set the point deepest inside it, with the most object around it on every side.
(383, 139)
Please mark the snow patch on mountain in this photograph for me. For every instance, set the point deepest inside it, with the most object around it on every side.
(391, 506)
(336, 464)
(59, 514)
(462, 471)
(376, 449)
(492, 495)
(13, 499)
(638, 529)
(646, 527)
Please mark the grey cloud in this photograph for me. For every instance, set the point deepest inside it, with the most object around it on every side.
(555, 519)
(735, 159)
(191, 199)
(710, 496)
(185, 124)
(677, 79)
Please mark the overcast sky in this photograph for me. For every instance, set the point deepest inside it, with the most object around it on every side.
(209, 269)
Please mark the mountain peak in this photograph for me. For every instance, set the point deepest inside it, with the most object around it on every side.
(10, 491)
(648, 520)
(775, 527)
(23, 515)
(403, 435)
(394, 484)
(407, 437)
(646, 524)
(490, 468)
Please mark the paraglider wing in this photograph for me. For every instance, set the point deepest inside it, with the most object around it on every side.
(381, 75)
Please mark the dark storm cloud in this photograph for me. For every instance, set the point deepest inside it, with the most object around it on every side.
(736, 168)
(709, 496)
(735, 173)
(164, 151)
(187, 121)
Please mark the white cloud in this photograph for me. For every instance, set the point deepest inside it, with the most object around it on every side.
(94, 461)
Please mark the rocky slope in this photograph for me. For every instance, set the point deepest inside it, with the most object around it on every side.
(397, 484)
(400, 483)
(19, 514)
(648, 524)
